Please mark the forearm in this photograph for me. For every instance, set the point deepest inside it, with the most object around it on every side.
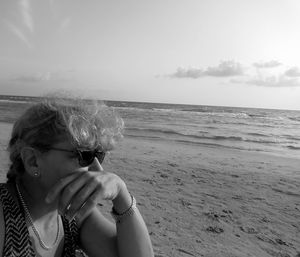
(132, 234)
(100, 237)
(133, 237)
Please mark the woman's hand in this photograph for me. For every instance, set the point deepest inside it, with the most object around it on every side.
(80, 192)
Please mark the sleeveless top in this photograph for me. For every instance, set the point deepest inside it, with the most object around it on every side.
(17, 242)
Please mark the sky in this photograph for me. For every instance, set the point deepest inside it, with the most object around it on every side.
(242, 53)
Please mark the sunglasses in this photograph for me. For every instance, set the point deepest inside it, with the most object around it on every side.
(85, 157)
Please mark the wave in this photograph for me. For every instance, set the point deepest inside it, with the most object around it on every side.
(241, 139)
(238, 115)
(232, 138)
(194, 110)
(257, 134)
(159, 130)
(176, 133)
(210, 127)
(238, 122)
(216, 111)
(174, 109)
(294, 118)
(293, 147)
(168, 132)
(13, 101)
(200, 143)
(292, 137)
(261, 115)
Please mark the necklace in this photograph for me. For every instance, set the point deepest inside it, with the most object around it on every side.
(30, 220)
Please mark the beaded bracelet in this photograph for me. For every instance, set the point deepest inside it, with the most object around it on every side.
(118, 217)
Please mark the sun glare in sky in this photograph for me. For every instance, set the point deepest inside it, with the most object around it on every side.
(211, 52)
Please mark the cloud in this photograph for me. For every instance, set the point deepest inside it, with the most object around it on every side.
(26, 13)
(46, 76)
(272, 78)
(246, 75)
(270, 64)
(188, 73)
(18, 32)
(293, 72)
(29, 79)
(271, 81)
(224, 69)
(60, 12)
(19, 20)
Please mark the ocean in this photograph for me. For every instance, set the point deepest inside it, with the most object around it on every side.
(275, 132)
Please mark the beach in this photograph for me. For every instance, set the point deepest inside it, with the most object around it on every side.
(207, 201)
(213, 202)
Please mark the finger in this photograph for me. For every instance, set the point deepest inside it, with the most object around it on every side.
(56, 189)
(72, 189)
(88, 206)
(96, 166)
(80, 198)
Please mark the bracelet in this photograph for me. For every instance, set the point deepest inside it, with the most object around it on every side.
(118, 217)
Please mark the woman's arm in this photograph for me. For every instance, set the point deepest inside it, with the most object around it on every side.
(132, 233)
(98, 236)
(129, 237)
(79, 194)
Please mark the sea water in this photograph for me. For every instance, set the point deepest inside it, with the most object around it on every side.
(275, 132)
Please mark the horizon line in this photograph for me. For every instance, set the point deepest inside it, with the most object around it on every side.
(162, 103)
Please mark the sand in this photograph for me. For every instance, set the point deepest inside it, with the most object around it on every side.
(205, 201)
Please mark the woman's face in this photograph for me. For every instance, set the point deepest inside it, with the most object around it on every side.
(56, 164)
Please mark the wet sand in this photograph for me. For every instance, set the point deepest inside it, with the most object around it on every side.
(205, 201)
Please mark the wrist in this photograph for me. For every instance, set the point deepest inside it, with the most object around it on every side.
(119, 217)
(123, 200)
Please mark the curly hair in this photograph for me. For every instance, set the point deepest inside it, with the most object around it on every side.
(88, 124)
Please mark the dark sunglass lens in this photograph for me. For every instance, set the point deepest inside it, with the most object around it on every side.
(100, 156)
(86, 158)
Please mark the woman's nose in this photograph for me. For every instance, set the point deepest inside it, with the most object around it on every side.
(95, 166)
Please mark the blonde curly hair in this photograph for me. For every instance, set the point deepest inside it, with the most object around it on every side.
(88, 124)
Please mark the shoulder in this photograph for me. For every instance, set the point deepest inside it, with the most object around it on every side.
(6, 199)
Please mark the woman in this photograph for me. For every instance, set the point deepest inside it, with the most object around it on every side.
(48, 207)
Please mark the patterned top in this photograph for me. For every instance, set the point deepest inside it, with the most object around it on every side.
(17, 241)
